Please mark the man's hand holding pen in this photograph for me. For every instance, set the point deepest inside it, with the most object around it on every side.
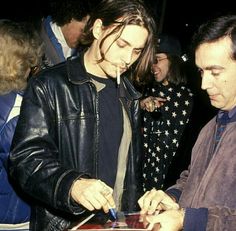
(93, 194)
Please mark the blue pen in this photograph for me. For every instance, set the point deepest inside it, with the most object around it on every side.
(113, 213)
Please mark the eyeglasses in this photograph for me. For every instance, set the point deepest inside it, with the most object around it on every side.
(157, 60)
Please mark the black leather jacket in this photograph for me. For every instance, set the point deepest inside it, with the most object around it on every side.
(55, 143)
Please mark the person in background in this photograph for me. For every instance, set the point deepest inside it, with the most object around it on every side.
(205, 192)
(21, 51)
(77, 146)
(167, 106)
(62, 29)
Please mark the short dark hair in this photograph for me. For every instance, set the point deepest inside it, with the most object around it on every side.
(132, 12)
(63, 11)
(216, 29)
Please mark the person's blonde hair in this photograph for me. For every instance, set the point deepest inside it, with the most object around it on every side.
(20, 50)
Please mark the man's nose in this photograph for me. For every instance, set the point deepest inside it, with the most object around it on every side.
(206, 81)
(127, 58)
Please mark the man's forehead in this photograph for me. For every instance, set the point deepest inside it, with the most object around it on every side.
(134, 35)
(213, 53)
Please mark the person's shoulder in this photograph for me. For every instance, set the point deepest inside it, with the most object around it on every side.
(68, 70)
(49, 78)
(56, 70)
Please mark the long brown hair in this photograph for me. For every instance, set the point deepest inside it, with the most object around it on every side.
(120, 13)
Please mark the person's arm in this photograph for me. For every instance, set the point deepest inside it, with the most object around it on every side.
(173, 217)
(37, 159)
(196, 219)
(212, 218)
(175, 190)
(201, 219)
(34, 161)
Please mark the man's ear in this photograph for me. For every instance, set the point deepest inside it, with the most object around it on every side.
(97, 28)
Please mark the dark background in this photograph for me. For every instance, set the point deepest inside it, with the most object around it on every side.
(178, 18)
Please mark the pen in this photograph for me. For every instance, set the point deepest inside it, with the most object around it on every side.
(83, 222)
(113, 213)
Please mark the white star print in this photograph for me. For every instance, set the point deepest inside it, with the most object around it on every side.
(174, 116)
(176, 104)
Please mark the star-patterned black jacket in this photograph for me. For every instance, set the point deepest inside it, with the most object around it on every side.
(162, 131)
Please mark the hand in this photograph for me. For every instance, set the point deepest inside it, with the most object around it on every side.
(93, 194)
(154, 201)
(151, 103)
(171, 220)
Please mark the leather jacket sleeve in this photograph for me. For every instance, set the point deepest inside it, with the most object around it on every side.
(34, 157)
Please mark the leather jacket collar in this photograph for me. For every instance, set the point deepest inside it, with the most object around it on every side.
(127, 90)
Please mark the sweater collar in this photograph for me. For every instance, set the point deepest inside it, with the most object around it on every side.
(227, 116)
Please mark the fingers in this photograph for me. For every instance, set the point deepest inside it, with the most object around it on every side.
(158, 101)
(148, 203)
(151, 103)
(146, 103)
(168, 220)
(90, 201)
(154, 201)
(107, 194)
(93, 194)
(168, 204)
(151, 201)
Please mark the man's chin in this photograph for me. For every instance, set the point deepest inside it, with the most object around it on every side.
(215, 104)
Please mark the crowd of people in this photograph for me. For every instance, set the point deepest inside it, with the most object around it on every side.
(92, 118)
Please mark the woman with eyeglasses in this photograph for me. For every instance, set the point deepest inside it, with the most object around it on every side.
(167, 105)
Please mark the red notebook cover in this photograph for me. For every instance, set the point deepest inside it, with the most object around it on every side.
(130, 221)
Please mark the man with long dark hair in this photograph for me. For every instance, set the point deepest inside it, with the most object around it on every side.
(76, 147)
